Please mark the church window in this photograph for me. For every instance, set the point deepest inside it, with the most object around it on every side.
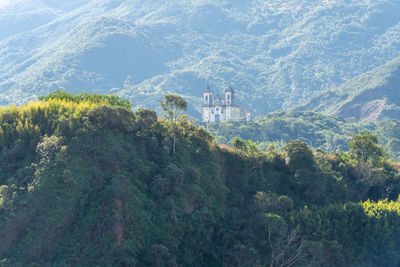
(229, 96)
(216, 109)
(206, 97)
(212, 111)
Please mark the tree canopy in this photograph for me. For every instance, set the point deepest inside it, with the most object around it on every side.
(173, 107)
(364, 147)
(112, 100)
(299, 155)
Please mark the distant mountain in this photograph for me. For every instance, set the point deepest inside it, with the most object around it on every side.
(19, 16)
(368, 97)
(275, 53)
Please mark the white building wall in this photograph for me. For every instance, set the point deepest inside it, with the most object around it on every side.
(235, 113)
(206, 116)
(212, 113)
(218, 112)
(228, 113)
(248, 116)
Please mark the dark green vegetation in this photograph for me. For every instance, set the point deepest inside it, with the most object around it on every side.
(275, 53)
(325, 132)
(87, 183)
(371, 96)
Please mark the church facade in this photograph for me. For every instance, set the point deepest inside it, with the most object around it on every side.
(216, 109)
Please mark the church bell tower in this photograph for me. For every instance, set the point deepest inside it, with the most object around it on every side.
(207, 103)
(207, 96)
(229, 96)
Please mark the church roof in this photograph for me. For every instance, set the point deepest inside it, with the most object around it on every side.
(207, 89)
(218, 100)
(230, 89)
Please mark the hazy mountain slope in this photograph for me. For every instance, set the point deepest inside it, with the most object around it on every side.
(18, 16)
(275, 53)
(22, 15)
(368, 97)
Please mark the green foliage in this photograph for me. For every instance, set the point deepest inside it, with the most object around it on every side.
(244, 145)
(285, 203)
(319, 131)
(299, 155)
(49, 146)
(364, 147)
(173, 107)
(370, 96)
(89, 184)
(112, 100)
(388, 132)
(271, 202)
(356, 232)
(146, 119)
(97, 173)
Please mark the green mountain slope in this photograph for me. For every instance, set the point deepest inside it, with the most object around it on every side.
(276, 53)
(86, 182)
(372, 96)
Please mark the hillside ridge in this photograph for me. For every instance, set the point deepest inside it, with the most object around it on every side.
(369, 97)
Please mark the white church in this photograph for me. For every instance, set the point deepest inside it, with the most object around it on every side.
(216, 109)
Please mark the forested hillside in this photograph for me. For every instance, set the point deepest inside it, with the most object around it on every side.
(372, 96)
(275, 53)
(86, 182)
(329, 133)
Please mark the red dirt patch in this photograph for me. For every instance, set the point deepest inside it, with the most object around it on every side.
(371, 111)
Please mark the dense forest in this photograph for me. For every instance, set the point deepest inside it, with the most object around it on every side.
(328, 133)
(84, 181)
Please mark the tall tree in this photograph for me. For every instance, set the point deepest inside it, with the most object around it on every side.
(364, 147)
(299, 155)
(173, 107)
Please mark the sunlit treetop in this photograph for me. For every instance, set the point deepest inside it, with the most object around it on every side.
(109, 99)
